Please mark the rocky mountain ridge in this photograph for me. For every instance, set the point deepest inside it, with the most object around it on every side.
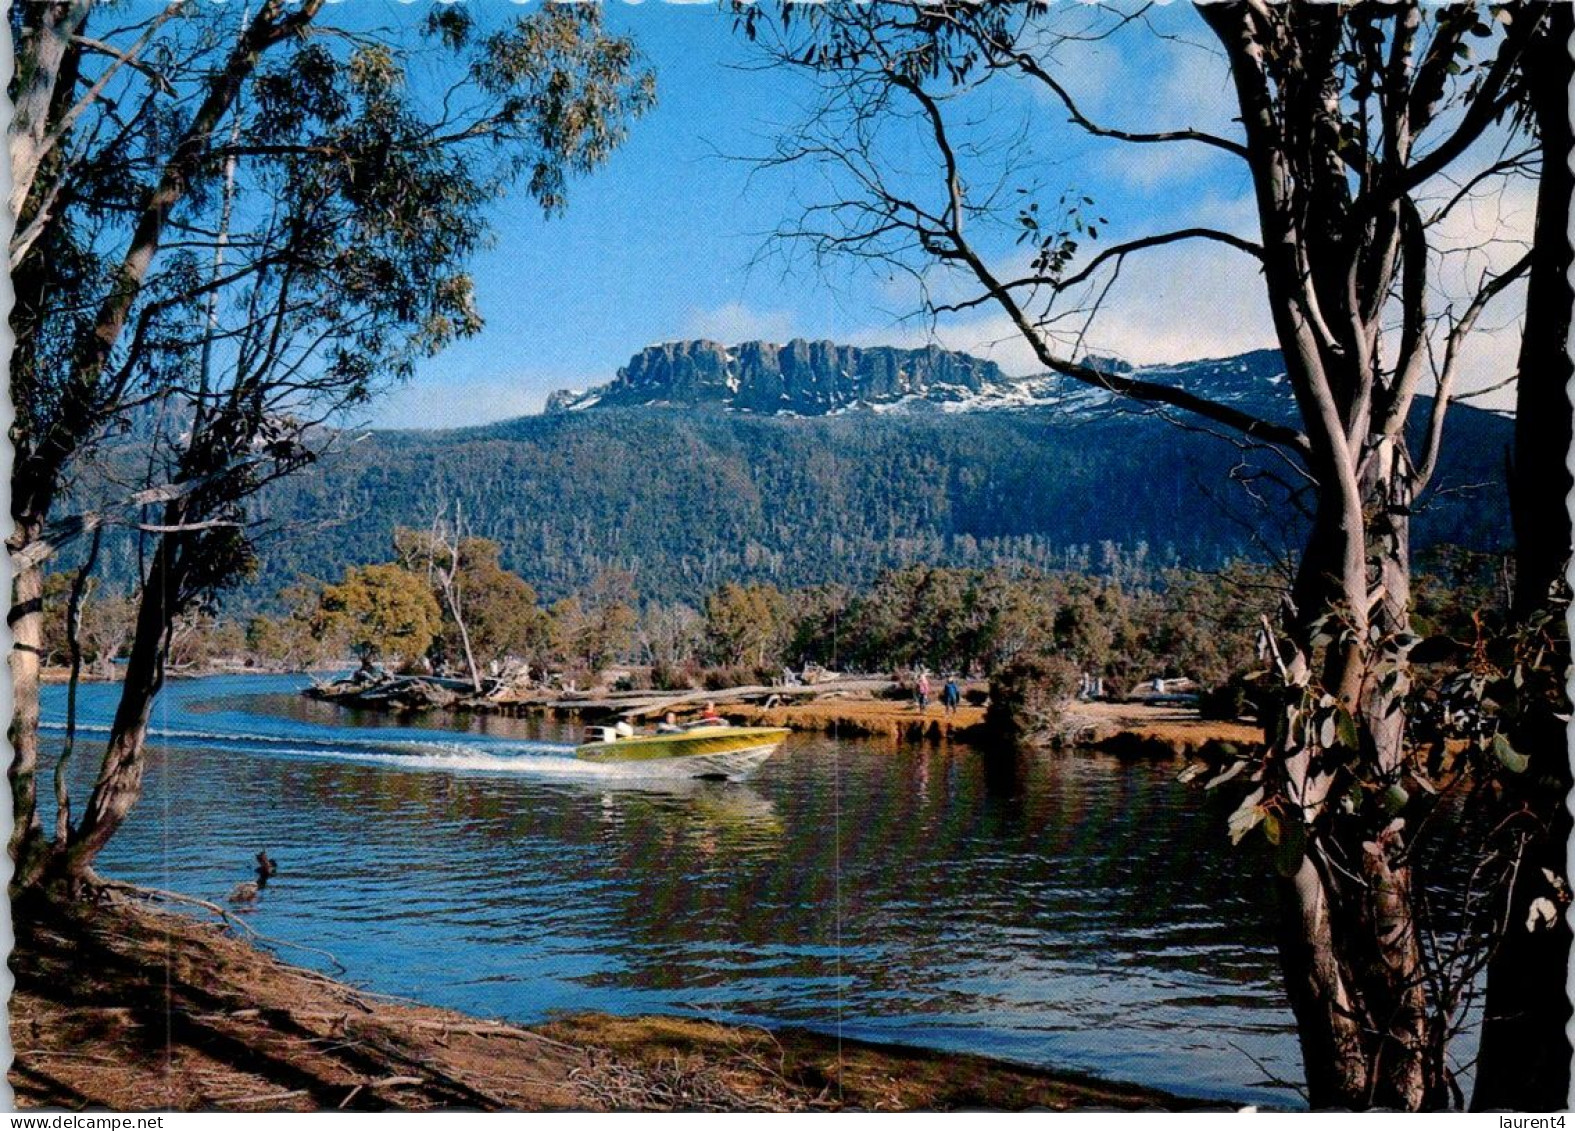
(802, 378)
(823, 378)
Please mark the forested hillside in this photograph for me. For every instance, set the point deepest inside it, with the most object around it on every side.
(688, 497)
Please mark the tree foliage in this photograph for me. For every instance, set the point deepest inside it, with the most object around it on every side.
(502, 618)
(384, 612)
(969, 622)
(107, 622)
(232, 226)
(745, 624)
(595, 628)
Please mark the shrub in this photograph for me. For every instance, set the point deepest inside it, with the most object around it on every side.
(1237, 696)
(672, 677)
(637, 680)
(1028, 696)
(732, 675)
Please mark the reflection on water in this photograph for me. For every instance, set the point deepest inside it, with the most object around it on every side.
(1067, 910)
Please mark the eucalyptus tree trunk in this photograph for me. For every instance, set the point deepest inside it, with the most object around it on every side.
(1349, 941)
(45, 81)
(27, 847)
(119, 782)
(1540, 478)
(47, 75)
(1525, 1054)
(79, 585)
(46, 78)
(1349, 946)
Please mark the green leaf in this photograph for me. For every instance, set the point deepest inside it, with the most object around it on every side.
(1292, 847)
(1514, 761)
(1271, 828)
(1345, 724)
(1395, 798)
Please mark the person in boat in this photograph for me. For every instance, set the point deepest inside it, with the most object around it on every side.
(669, 725)
(710, 717)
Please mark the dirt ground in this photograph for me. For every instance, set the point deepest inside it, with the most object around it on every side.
(125, 1006)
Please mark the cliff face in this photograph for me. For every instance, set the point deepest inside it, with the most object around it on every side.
(801, 377)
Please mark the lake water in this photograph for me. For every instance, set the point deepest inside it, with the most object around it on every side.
(1066, 910)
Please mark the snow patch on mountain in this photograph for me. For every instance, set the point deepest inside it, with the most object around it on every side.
(806, 379)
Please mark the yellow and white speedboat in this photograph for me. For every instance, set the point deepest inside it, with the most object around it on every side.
(707, 751)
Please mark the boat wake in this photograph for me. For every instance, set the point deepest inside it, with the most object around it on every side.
(542, 759)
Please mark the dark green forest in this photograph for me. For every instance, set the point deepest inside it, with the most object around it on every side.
(685, 499)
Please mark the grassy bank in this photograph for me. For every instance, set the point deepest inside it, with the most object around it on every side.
(1142, 729)
(1136, 729)
(880, 718)
(123, 1005)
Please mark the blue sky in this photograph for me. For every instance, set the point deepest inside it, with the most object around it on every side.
(666, 240)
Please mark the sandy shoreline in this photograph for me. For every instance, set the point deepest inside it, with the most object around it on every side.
(126, 1006)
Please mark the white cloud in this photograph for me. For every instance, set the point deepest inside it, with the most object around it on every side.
(1197, 91)
(1149, 167)
(1488, 233)
(1179, 302)
(1489, 356)
(1133, 80)
(1197, 300)
(736, 322)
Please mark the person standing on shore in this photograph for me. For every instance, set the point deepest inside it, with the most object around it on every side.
(922, 691)
(951, 696)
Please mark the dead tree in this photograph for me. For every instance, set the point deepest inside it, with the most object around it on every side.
(443, 546)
